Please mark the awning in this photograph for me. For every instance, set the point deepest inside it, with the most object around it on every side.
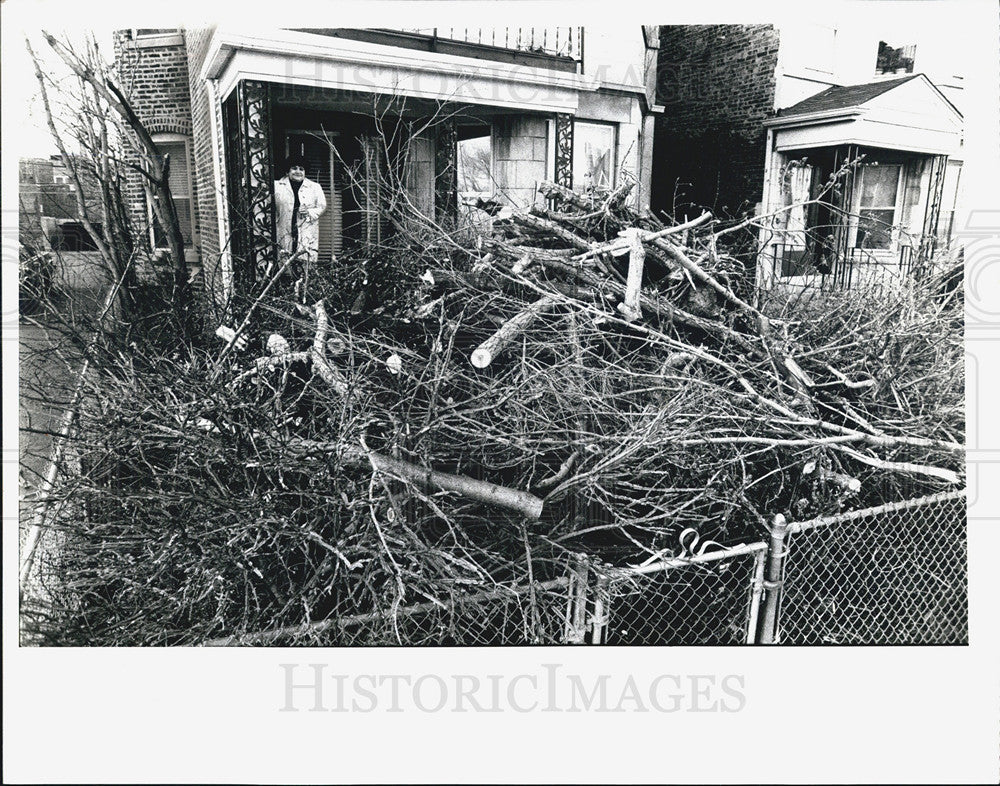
(896, 114)
(321, 62)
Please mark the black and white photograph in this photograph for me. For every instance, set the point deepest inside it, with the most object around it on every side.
(600, 367)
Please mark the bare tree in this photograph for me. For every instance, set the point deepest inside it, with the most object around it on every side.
(111, 137)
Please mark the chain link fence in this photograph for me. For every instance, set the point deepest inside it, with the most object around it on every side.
(895, 574)
(540, 613)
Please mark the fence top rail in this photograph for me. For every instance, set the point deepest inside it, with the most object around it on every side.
(889, 507)
(265, 636)
(673, 563)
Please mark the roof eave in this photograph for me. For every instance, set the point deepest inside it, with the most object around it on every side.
(814, 118)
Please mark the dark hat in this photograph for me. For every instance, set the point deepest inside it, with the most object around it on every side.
(295, 160)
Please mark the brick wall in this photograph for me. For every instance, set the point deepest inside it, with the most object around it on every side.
(154, 77)
(717, 83)
(203, 175)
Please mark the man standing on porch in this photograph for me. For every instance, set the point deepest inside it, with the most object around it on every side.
(299, 203)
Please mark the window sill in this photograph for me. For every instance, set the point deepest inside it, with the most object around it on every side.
(150, 41)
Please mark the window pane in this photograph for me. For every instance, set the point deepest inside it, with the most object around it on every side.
(180, 189)
(593, 155)
(178, 166)
(183, 207)
(949, 193)
(874, 229)
(878, 186)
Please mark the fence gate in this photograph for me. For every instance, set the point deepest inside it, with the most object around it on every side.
(708, 599)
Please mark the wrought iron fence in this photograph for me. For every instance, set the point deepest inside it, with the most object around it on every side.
(852, 269)
(561, 41)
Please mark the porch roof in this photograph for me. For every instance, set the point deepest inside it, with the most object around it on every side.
(843, 97)
(897, 114)
(306, 59)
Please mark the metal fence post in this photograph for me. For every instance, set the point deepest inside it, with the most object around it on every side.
(602, 607)
(768, 633)
(576, 622)
(756, 592)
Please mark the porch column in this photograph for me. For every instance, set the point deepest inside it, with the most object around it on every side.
(446, 173)
(251, 179)
(564, 150)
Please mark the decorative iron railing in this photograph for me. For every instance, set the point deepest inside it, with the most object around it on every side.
(559, 41)
(856, 267)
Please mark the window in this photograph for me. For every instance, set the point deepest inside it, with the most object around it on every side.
(475, 166)
(893, 60)
(176, 146)
(877, 195)
(593, 156)
(151, 37)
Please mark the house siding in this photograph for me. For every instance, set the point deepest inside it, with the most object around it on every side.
(717, 84)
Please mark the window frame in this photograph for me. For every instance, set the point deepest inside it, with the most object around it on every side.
(897, 208)
(579, 186)
(171, 138)
(173, 37)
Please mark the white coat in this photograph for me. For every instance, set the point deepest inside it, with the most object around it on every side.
(312, 204)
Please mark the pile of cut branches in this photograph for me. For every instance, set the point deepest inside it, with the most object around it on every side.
(460, 412)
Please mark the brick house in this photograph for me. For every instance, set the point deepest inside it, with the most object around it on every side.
(483, 113)
(758, 117)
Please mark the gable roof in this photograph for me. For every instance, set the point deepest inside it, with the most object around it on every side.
(843, 97)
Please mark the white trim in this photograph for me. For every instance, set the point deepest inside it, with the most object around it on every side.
(764, 234)
(550, 150)
(309, 59)
(852, 140)
(171, 138)
(221, 209)
(813, 118)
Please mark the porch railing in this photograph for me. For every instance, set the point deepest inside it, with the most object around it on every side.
(855, 268)
(559, 41)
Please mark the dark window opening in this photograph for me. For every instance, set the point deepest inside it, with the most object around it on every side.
(895, 60)
(73, 236)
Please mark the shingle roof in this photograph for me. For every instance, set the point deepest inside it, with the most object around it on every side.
(843, 97)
